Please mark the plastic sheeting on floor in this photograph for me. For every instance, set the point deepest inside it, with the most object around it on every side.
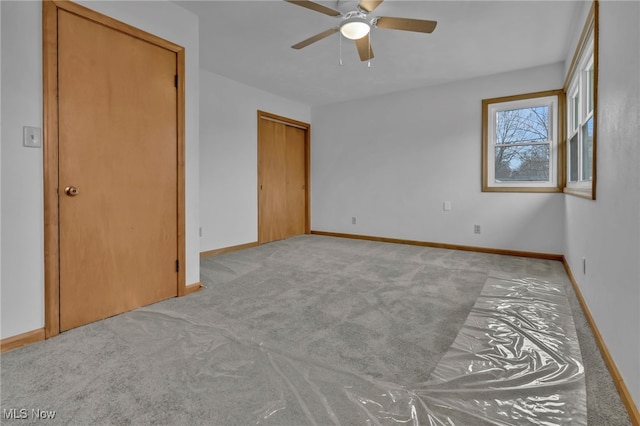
(515, 361)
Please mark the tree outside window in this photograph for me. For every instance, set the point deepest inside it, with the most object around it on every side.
(520, 143)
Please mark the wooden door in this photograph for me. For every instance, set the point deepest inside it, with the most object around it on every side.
(283, 178)
(295, 181)
(118, 236)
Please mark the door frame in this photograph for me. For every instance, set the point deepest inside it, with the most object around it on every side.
(51, 143)
(263, 115)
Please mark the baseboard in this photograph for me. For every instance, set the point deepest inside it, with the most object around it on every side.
(24, 339)
(536, 255)
(625, 395)
(20, 340)
(227, 249)
(192, 288)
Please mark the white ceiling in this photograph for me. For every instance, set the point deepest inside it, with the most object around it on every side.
(250, 42)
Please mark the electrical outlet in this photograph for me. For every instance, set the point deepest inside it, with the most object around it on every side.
(353, 220)
(446, 206)
(476, 229)
(200, 231)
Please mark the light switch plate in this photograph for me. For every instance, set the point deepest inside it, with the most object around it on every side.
(31, 137)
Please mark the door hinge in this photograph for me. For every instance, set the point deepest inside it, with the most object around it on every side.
(177, 266)
(175, 80)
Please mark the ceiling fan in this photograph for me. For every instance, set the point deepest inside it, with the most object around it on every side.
(356, 24)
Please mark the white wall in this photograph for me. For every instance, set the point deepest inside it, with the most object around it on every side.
(0, 157)
(22, 191)
(607, 231)
(229, 158)
(391, 161)
(576, 26)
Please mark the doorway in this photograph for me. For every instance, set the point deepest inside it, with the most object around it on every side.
(283, 177)
(114, 167)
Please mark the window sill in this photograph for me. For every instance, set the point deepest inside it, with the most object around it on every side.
(586, 193)
(521, 189)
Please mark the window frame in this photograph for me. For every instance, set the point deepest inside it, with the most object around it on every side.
(584, 57)
(553, 98)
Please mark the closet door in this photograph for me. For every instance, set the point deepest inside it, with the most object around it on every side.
(282, 178)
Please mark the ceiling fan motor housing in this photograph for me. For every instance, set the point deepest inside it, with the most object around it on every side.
(355, 25)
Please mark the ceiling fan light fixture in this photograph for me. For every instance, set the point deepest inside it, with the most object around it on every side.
(355, 28)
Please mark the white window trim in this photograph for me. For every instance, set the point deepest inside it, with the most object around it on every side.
(578, 84)
(493, 106)
(586, 49)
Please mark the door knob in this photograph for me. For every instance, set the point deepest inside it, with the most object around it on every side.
(71, 191)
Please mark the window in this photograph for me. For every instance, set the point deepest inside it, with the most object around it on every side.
(581, 94)
(520, 143)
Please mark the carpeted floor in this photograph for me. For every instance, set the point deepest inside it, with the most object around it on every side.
(293, 332)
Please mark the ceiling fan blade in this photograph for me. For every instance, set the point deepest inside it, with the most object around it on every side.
(364, 48)
(369, 5)
(315, 6)
(317, 37)
(406, 24)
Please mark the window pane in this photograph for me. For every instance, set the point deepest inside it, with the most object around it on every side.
(522, 125)
(576, 113)
(522, 163)
(573, 158)
(587, 150)
(589, 90)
